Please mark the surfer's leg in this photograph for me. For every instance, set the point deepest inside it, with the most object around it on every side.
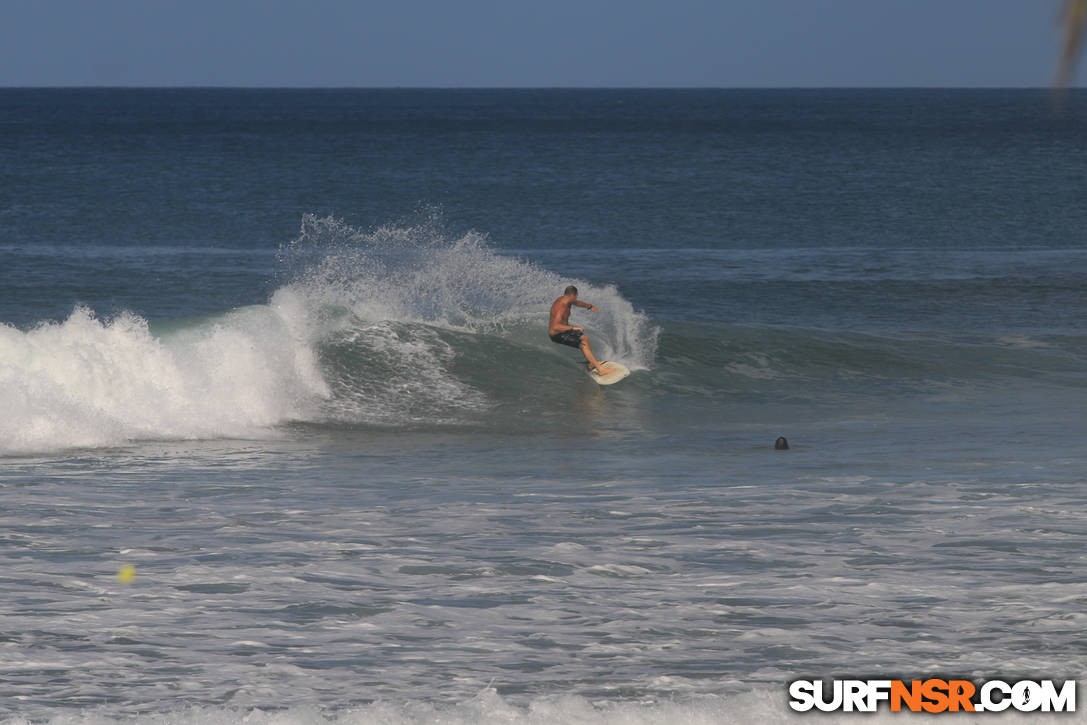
(588, 353)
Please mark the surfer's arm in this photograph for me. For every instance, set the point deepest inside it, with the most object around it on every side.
(586, 305)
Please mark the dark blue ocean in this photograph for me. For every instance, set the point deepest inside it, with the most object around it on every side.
(279, 358)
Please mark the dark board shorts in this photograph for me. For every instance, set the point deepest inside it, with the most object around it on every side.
(568, 337)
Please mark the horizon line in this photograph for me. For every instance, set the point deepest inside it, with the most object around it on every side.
(533, 87)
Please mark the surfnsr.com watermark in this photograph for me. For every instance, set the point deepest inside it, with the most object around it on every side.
(933, 695)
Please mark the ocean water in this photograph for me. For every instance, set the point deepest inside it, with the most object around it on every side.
(285, 354)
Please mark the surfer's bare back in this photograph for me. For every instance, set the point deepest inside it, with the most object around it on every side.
(562, 332)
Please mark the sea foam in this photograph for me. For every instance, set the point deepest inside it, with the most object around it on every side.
(764, 705)
(88, 382)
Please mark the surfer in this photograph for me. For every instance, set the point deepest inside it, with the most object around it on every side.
(562, 332)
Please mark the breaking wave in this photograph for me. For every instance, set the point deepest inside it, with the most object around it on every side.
(401, 326)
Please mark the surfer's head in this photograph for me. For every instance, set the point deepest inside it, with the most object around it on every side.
(571, 290)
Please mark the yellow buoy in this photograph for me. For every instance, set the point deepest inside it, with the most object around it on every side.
(127, 574)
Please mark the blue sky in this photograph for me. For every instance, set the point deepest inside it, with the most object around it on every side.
(484, 43)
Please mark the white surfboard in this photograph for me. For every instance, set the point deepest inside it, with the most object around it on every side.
(616, 372)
